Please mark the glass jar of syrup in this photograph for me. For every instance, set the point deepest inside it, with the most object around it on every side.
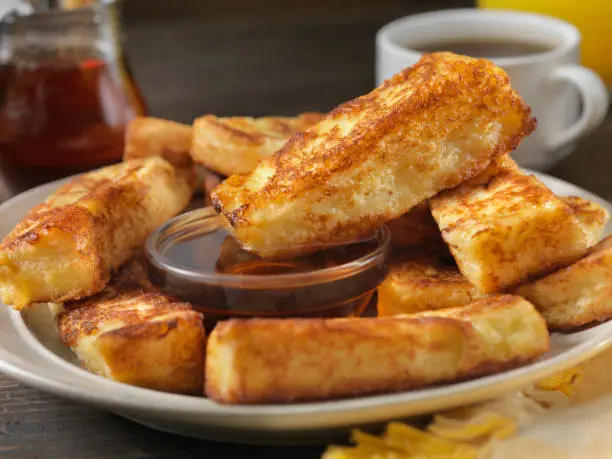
(66, 93)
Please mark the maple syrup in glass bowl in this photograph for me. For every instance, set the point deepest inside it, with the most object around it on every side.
(194, 258)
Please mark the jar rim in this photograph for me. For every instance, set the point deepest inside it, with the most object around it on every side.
(190, 222)
(58, 17)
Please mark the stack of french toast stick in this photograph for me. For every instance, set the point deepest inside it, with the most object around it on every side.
(485, 258)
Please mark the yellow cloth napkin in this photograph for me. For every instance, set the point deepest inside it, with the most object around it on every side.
(566, 416)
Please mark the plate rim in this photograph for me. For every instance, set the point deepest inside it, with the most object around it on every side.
(78, 384)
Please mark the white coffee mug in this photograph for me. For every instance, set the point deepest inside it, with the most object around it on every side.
(569, 100)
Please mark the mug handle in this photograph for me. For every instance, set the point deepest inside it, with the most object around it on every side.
(595, 101)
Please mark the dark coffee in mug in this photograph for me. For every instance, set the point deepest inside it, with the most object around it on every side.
(488, 49)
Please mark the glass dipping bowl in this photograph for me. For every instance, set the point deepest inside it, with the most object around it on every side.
(193, 258)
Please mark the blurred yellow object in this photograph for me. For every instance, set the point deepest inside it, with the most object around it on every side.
(592, 17)
(564, 382)
(402, 441)
(483, 426)
(463, 433)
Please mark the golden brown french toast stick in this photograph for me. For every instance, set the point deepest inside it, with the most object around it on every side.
(235, 145)
(507, 230)
(131, 333)
(591, 217)
(427, 129)
(420, 281)
(287, 360)
(148, 137)
(577, 295)
(66, 248)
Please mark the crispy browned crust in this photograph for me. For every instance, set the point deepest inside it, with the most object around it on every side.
(578, 295)
(67, 247)
(235, 145)
(147, 137)
(131, 333)
(427, 129)
(420, 281)
(279, 361)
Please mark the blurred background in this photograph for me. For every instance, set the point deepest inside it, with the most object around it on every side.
(67, 95)
(245, 57)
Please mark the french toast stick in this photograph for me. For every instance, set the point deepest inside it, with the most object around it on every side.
(427, 129)
(420, 281)
(505, 231)
(148, 137)
(131, 333)
(66, 248)
(261, 361)
(577, 295)
(591, 217)
(235, 145)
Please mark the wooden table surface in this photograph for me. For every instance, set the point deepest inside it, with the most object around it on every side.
(304, 62)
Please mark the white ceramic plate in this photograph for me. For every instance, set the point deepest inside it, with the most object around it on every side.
(30, 351)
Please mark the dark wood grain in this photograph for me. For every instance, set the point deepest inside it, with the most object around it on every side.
(34, 425)
(234, 58)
